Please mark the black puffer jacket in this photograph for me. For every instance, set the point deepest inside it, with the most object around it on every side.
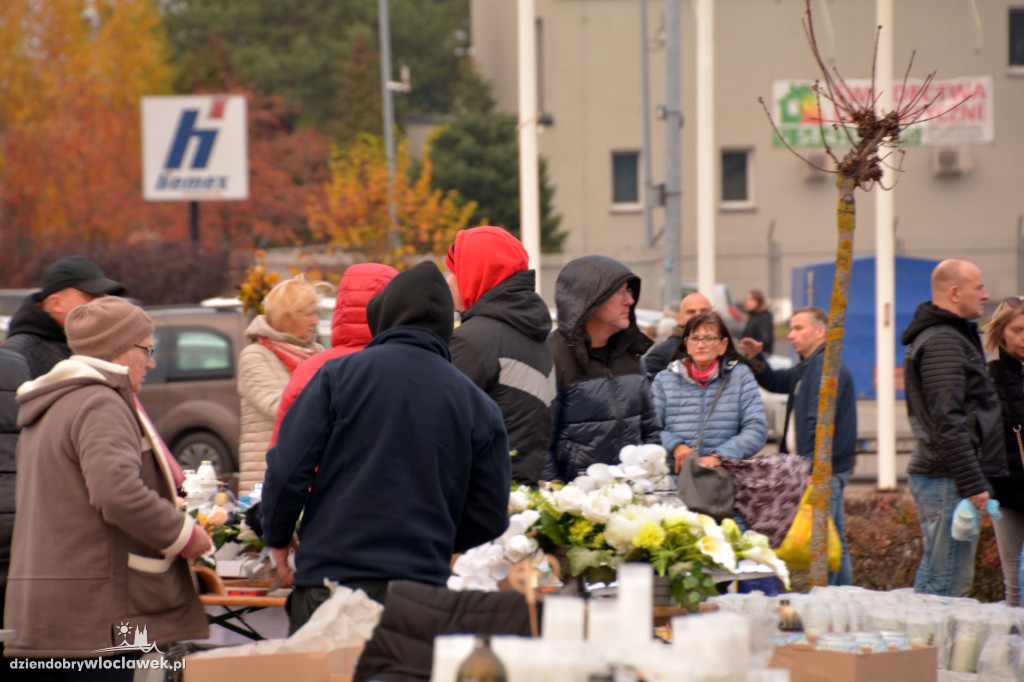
(1008, 377)
(402, 646)
(601, 407)
(13, 371)
(658, 357)
(501, 345)
(37, 337)
(952, 405)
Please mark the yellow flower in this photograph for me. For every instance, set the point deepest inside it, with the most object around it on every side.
(650, 535)
(731, 530)
(579, 530)
(598, 540)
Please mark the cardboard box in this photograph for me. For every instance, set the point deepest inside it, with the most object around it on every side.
(336, 665)
(805, 664)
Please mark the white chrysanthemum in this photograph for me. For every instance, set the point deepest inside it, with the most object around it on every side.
(519, 547)
(569, 499)
(518, 500)
(597, 508)
(719, 550)
(521, 522)
(600, 473)
(619, 531)
(619, 494)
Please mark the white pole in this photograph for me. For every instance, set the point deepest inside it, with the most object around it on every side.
(529, 182)
(706, 165)
(885, 309)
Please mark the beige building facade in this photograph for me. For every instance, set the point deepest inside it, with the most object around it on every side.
(960, 192)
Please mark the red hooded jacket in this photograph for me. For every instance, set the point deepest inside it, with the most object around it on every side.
(349, 330)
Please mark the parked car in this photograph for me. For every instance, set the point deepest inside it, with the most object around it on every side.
(775, 403)
(722, 302)
(191, 395)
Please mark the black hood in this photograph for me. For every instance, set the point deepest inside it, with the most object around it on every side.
(516, 302)
(928, 314)
(30, 318)
(418, 297)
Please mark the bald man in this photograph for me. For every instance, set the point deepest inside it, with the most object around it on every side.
(657, 358)
(955, 414)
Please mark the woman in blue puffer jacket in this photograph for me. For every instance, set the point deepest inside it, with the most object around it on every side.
(685, 391)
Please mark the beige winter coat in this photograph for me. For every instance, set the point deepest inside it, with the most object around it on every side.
(262, 377)
(97, 531)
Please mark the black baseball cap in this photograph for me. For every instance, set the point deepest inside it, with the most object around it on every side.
(78, 272)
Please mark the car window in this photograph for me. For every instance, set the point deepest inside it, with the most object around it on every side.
(196, 354)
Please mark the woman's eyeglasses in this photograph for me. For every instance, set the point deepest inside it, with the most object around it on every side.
(1012, 301)
(702, 340)
(149, 350)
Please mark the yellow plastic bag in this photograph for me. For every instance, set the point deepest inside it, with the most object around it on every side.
(796, 548)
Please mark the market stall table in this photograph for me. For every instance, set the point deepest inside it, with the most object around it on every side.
(236, 607)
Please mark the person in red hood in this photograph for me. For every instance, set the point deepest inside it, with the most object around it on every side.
(349, 330)
(502, 342)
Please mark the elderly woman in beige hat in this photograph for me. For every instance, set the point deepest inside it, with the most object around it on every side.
(99, 555)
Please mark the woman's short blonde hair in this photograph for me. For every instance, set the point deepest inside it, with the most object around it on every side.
(1000, 318)
(291, 296)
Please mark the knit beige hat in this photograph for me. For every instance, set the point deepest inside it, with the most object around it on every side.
(106, 327)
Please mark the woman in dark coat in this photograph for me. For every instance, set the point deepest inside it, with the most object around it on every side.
(1004, 335)
(760, 325)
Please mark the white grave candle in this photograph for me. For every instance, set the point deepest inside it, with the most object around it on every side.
(636, 581)
(449, 653)
(563, 619)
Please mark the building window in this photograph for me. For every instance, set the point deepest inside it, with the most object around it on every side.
(1017, 37)
(737, 188)
(625, 177)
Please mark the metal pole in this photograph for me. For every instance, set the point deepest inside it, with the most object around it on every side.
(394, 239)
(885, 309)
(706, 165)
(673, 149)
(529, 174)
(645, 119)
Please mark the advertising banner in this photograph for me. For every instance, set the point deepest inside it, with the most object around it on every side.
(959, 112)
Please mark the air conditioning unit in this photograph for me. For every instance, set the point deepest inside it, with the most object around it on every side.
(951, 160)
(819, 159)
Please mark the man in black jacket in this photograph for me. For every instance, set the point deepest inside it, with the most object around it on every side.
(657, 358)
(37, 328)
(955, 414)
(604, 399)
(394, 459)
(502, 342)
(13, 372)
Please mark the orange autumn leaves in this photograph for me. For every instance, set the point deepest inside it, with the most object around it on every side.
(354, 214)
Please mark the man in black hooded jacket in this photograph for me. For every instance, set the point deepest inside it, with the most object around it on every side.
(604, 400)
(394, 458)
(955, 414)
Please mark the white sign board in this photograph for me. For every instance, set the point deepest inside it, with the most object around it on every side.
(960, 111)
(195, 148)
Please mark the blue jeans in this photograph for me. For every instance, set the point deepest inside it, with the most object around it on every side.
(844, 576)
(947, 565)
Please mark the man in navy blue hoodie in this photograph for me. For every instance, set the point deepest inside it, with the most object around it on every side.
(394, 458)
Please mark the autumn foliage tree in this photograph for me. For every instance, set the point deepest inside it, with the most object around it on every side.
(72, 74)
(354, 212)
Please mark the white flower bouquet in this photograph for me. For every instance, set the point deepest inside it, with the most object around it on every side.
(602, 519)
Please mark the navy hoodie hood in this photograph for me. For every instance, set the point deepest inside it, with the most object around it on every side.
(418, 297)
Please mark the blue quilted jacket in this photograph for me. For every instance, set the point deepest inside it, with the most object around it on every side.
(736, 429)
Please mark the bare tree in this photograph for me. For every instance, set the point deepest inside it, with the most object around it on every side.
(874, 138)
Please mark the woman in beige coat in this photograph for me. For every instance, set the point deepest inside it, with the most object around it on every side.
(279, 340)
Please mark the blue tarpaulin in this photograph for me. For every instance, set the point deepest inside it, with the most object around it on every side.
(812, 285)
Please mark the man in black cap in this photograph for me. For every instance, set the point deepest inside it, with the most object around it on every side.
(37, 328)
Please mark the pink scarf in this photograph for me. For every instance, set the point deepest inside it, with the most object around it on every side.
(291, 355)
(701, 377)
